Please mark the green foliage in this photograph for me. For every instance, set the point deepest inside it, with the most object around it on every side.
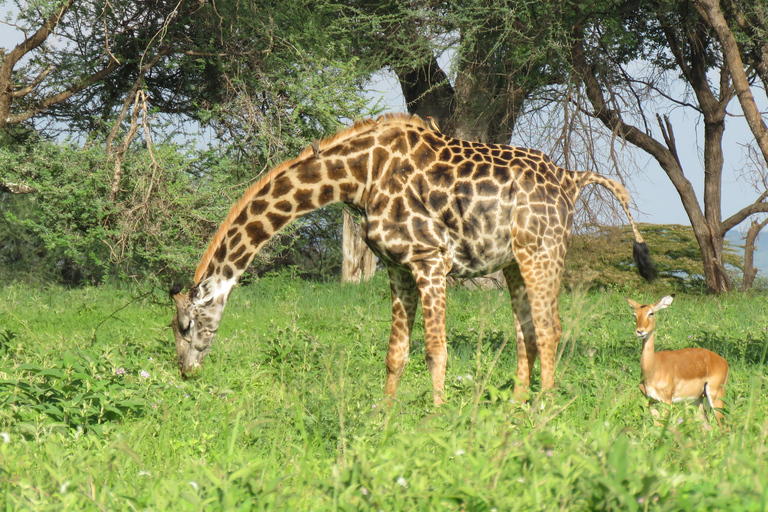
(161, 223)
(78, 391)
(68, 231)
(602, 257)
(287, 413)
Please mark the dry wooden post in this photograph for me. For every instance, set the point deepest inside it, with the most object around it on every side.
(358, 261)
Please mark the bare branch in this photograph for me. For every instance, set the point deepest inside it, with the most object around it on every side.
(16, 188)
(710, 11)
(669, 136)
(759, 206)
(19, 93)
(57, 98)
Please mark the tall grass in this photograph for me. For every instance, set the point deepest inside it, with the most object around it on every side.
(288, 412)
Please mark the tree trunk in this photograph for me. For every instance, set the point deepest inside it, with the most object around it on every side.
(710, 11)
(358, 261)
(749, 252)
(707, 226)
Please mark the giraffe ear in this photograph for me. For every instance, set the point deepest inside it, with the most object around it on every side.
(205, 292)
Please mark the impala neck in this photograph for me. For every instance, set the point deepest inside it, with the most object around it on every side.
(648, 357)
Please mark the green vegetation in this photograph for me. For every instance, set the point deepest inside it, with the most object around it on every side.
(602, 256)
(288, 412)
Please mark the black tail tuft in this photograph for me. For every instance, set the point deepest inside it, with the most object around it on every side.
(644, 262)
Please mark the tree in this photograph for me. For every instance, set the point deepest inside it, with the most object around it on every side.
(672, 40)
(266, 78)
(617, 64)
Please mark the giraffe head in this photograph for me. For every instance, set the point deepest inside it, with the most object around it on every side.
(198, 313)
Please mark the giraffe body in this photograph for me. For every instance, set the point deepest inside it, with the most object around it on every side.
(432, 206)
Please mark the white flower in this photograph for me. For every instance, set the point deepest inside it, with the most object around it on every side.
(144, 472)
(6, 437)
(193, 484)
(459, 452)
(63, 487)
(402, 481)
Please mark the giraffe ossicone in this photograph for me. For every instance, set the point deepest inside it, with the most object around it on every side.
(432, 206)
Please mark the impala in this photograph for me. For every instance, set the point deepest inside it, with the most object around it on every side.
(669, 376)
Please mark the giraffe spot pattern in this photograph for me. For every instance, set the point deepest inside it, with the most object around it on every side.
(432, 205)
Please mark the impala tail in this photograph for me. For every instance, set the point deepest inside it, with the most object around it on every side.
(640, 252)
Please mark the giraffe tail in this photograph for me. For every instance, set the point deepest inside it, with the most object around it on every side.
(640, 252)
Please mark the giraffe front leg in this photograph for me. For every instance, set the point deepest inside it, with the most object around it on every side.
(405, 298)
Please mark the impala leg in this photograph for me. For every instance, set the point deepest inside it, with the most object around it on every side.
(714, 397)
(656, 415)
(405, 300)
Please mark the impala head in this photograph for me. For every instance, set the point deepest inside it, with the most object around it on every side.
(198, 313)
(646, 315)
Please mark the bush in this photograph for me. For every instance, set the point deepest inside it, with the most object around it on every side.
(68, 231)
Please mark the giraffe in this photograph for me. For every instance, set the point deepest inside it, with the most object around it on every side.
(432, 206)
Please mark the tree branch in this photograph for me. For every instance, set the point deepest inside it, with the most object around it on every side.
(57, 98)
(19, 93)
(710, 11)
(737, 218)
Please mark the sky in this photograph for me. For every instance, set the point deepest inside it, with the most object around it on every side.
(656, 200)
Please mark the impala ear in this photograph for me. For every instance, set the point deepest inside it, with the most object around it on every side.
(632, 303)
(205, 292)
(664, 302)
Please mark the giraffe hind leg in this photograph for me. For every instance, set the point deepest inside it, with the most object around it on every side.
(524, 332)
(541, 271)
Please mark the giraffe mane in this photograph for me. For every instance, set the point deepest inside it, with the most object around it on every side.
(358, 127)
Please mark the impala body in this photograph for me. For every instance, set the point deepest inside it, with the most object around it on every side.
(670, 376)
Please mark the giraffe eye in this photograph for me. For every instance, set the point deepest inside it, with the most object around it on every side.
(184, 329)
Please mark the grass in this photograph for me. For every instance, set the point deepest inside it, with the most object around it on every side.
(288, 414)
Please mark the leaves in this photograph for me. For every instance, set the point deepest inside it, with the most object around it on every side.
(75, 391)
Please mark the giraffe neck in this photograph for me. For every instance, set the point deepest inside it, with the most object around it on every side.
(292, 189)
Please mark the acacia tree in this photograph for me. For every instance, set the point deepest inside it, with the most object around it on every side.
(624, 65)
(671, 39)
(266, 79)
